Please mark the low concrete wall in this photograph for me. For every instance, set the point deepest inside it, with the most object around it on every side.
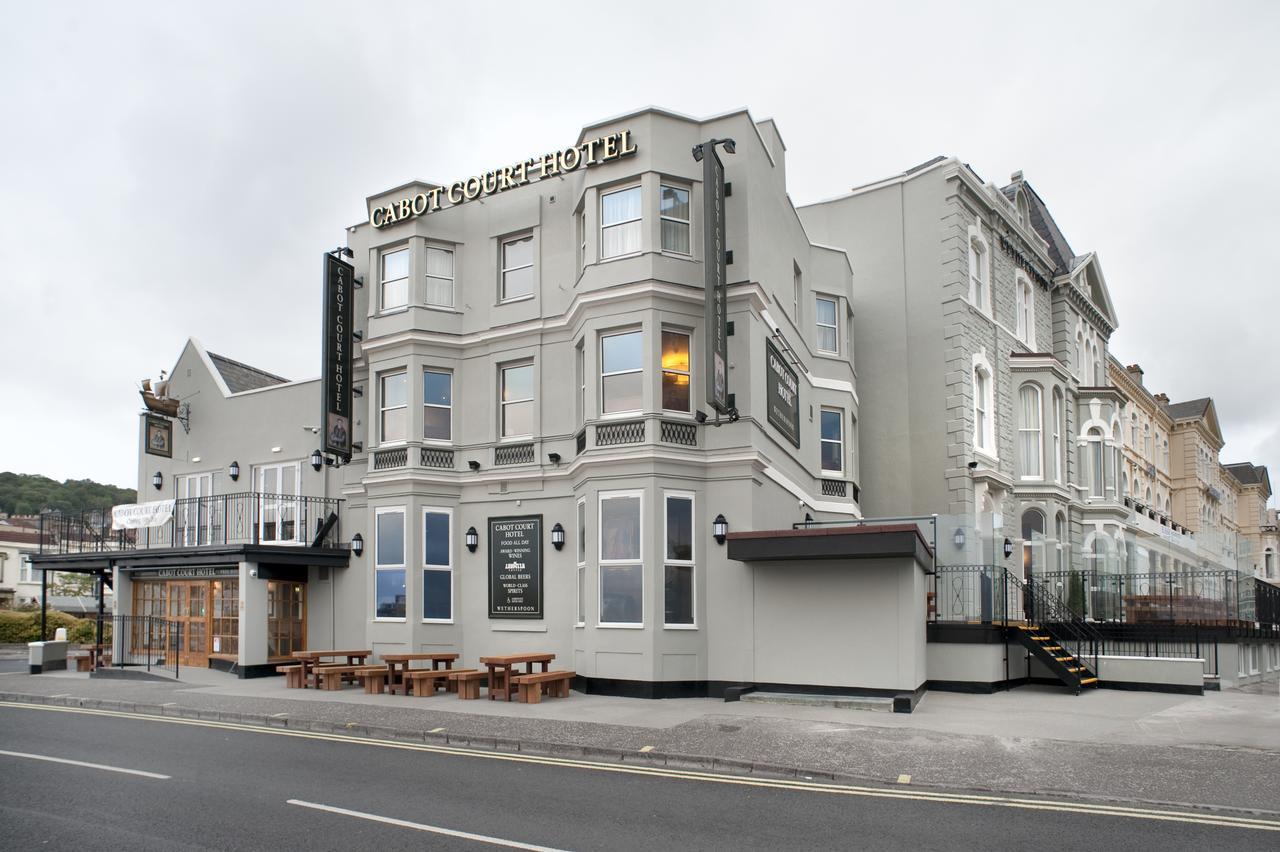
(47, 656)
(973, 667)
(1174, 674)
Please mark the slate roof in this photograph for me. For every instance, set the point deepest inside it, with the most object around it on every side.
(241, 377)
(1247, 472)
(1059, 249)
(1192, 408)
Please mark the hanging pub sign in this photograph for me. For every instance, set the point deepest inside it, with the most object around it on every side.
(159, 436)
(515, 567)
(335, 418)
(716, 313)
(782, 393)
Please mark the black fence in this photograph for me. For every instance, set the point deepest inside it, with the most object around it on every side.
(249, 517)
(139, 641)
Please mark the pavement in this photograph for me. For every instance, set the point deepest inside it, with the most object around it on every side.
(1219, 750)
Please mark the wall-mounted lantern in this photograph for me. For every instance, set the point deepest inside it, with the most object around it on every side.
(557, 536)
(720, 529)
(473, 539)
(357, 544)
(157, 479)
(233, 470)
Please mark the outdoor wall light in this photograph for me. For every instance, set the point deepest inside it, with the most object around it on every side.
(233, 470)
(701, 417)
(557, 536)
(473, 538)
(719, 529)
(554, 458)
(357, 544)
(157, 479)
(1008, 548)
(473, 464)
(958, 538)
(317, 460)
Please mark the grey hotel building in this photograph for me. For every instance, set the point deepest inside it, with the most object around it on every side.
(536, 463)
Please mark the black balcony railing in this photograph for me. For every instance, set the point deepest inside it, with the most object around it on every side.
(217, 520)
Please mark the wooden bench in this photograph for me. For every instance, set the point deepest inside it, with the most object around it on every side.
(529, 686)
(373, 677)
(467, 682)
(292, 676)
(82, 658)
(331, 677)
(427, 681)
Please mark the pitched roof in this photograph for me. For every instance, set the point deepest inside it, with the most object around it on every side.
(1044, 225)
(241, 377)
(1249, 473)
(1192, 408)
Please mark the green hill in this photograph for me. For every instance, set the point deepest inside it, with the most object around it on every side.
(27, 494)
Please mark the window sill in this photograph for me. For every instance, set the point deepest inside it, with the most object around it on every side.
(443, 309)
(387, 312)
(608, 626)
(676, 255)
(622, 415)
(514, 300)
(983, 455)
(627, 256)
(437, 620)
(822, 353)
(580, 624)
(380, 620)
(679, 627)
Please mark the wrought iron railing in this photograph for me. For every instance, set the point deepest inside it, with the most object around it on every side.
(1219, 597)
(146, 641)
(504, 454)
(219, 519)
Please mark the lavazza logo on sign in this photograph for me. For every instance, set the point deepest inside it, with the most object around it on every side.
(591, 153)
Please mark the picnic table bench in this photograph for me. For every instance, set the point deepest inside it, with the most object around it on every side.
(82, 659)
(292, 675)
(467, 682)
(311, 662)
(427, 681)
(530, 686)
(500, 670)
(398, 665)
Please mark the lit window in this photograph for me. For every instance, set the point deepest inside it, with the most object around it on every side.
(828, 340)
(437, 405)
(621, 559)
(439, 277)
(675, 371)
(674, 210)
(621, 373)
(832, 441)
(437, 565)
(395, 408)
(620, 225)
(517, 401)
(1030, 448)
(389, 563)
(517, 267)
(678, 594)
(395, 279)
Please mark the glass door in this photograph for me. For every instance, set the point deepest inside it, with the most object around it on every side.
(279, 507)
(193, 509)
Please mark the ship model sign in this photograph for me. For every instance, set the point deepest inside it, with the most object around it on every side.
(163, 409)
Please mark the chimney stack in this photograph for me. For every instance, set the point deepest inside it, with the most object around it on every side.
(1162, 398)
(1135, 371)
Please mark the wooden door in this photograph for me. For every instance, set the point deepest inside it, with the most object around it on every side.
(189, 610)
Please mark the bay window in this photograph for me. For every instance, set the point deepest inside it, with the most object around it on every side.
(621, 559)
(1030, 444)
(517, 401)
(388, 560)
(675, 371)
(393, 399)
(621, 373)
(832, 427)
(674, 212)
(439, 277)
(828, 337)
(620, 222)
(437, 565)
(582, 564)
(437, 405)
(678, 584)
(517, 267)
(395, 279)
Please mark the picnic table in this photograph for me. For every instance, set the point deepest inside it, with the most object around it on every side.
(398, 664)
(311, 660)
(500, 669)
(99, 655)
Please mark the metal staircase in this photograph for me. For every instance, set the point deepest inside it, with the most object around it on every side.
(1056, 635)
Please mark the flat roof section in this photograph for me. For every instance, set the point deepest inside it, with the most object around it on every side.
(867, 541)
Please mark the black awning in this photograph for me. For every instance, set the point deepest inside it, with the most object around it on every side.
(879, 541)
(335, 557)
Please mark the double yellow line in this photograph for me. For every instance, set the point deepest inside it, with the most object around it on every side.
(1084, 808)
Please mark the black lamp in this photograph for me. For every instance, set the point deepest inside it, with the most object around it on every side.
(720, 529)
(473, 464)
(557, 536)
(1008, 548)
(233, 470)
(554, 458)
(157, 479)
(473, 539)
(701, 417)
(958, 538)
(357, 544)
(317, 460)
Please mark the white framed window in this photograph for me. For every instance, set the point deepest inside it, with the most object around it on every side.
(978, 260)
(517, 268)
(581, 610)
(1059, 427)
(1097, 454)
(279, 508)
(983, 406)
(1025, 308)
(797, 284)
(388, 562)
(1030, 434)
(581, 363)
(1146, 442)
(673, 209)
(395, 279)
(580, 222)
(621, 520)
(679, 595)
(825, 319)
(516, 400)
(393, 411)
(621, 372)
(437, 405)
(25, 572)
(620, 222)
(675, 371)
(437, 565)
(832, 441)
(439, 277)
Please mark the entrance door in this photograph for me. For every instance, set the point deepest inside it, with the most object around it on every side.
(278, 513)
(189, 610)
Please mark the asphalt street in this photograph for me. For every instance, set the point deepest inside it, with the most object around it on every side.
(71, 777)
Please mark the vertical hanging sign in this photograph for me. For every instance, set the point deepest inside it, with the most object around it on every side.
(716, 311)
(335, 419)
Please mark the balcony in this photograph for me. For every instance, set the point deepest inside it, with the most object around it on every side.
(219, 520)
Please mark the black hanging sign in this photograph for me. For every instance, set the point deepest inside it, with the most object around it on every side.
(713, 263)
(782, 393)
(335, 419)
(515, 567)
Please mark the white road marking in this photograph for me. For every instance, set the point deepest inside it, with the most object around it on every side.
(435, 730)
(646, 749)
(417, 826)
(904, 779)
(279, 715)
(101, 766)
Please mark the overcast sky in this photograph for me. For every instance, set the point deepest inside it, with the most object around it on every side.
(168, 170)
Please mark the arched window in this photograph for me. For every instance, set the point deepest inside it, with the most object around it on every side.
(1030, 440)
(1097, 468)
(1032, 541)
(983, 398)
(1269, 563)
(1146, 442)
(1024, 310)
(1059, 427)
(1113, 472)
(977, 271)
(1060, 530)
(1133, 431)
(1124, 483)
(1081, 356)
